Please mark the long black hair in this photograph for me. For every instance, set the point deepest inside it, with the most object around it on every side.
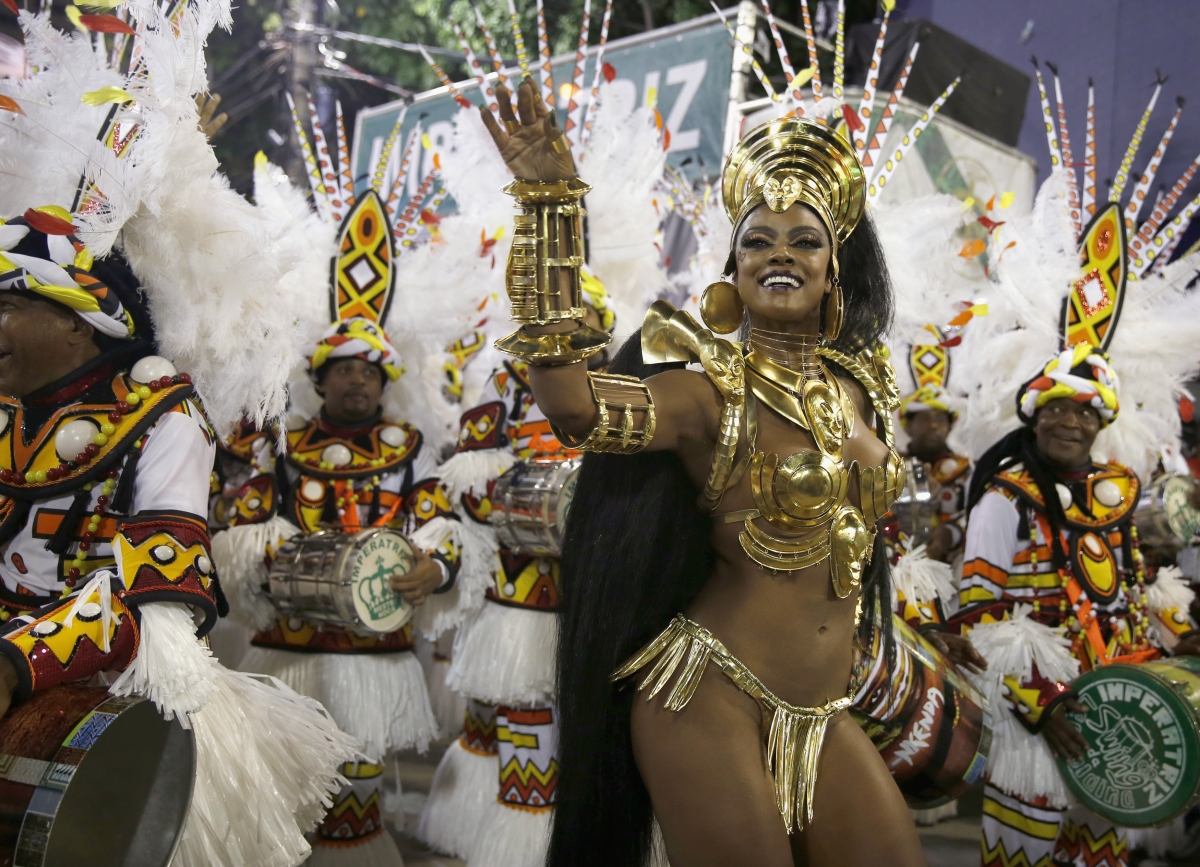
(636, 551)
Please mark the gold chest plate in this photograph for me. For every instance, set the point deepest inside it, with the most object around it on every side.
(806, 492)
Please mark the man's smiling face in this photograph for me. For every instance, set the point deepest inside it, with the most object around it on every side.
(1066, 430)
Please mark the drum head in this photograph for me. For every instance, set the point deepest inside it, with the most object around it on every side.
(567, 494)
(1143, 764)
(127, 802)
(375, 560)
(1177, 500)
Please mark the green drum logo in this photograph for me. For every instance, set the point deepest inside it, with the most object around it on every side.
(381, 608)
(1140, 769)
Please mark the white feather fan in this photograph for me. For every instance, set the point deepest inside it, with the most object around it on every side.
(220, 276)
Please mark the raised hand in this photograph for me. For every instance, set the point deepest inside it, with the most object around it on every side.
(533, 147)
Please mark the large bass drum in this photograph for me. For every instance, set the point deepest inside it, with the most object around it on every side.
(932, 727)
(530, 502)
(89, 778)
(1165, 517)
(342, 579)
(1142, 767)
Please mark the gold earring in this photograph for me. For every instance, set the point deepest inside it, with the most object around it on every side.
(834, 311)
(721, 307)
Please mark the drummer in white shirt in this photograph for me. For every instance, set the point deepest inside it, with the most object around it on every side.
(350, 469)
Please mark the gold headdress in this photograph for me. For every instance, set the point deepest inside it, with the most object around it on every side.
(793, 160)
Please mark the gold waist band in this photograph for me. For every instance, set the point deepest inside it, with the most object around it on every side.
(795, 735)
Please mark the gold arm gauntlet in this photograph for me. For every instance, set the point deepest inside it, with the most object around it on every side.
(630, 396)
(542, 275)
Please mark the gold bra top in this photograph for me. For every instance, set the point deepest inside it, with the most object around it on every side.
(807, 492)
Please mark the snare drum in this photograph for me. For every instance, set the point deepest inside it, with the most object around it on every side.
(1165, 517)
(530, 502)
(342, 578)
(89, 778)
(916, 509)
(930, 724)
(1142, 767)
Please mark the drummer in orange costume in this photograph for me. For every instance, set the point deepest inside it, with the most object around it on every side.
(924, 541)
(350, 468)
(1034, 564)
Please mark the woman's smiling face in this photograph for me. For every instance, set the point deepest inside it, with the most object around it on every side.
(783, 268)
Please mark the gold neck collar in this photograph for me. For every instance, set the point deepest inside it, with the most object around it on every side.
(794, 353)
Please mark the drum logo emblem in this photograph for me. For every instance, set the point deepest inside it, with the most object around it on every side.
(1138, 757)
(383, 556)
(922, 731)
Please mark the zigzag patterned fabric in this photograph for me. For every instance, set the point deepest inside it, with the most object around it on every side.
(1019, 833)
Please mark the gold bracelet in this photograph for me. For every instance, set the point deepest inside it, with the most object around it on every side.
(547, 251)
(632, 396)
(552, 350)
(543, 272)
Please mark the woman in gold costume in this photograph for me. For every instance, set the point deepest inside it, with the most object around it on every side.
(717, 567)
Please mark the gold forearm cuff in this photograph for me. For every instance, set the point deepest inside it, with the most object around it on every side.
(547, 251)
(555, 349)
(629, 396)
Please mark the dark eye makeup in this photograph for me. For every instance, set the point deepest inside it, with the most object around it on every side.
(806, 238)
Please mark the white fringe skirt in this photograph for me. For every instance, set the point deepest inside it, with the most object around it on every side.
(505, 655)
(378, 698)
(461, 801)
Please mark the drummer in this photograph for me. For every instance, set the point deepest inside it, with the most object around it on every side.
(927, 417)
(350, 468)
(496, 786)
(926, 592)
(1036, 563)
(105, 457)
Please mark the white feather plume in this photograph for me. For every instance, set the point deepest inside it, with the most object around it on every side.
(220, 276)
(623, 165)
(441, 285)
(1153, 350)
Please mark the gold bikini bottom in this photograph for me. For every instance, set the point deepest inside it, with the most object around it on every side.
(796, 733)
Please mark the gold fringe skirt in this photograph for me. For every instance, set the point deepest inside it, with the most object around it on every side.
(796, 733)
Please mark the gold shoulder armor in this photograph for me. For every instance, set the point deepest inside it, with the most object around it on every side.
(874, 373)
(672, 335)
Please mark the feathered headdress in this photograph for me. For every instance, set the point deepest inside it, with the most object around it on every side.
(929, 365)
(371, 232)
(1066, 277)
(100, 149)
(865, 127)
(622, 158)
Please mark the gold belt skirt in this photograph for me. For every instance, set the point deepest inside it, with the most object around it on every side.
(796, 733)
